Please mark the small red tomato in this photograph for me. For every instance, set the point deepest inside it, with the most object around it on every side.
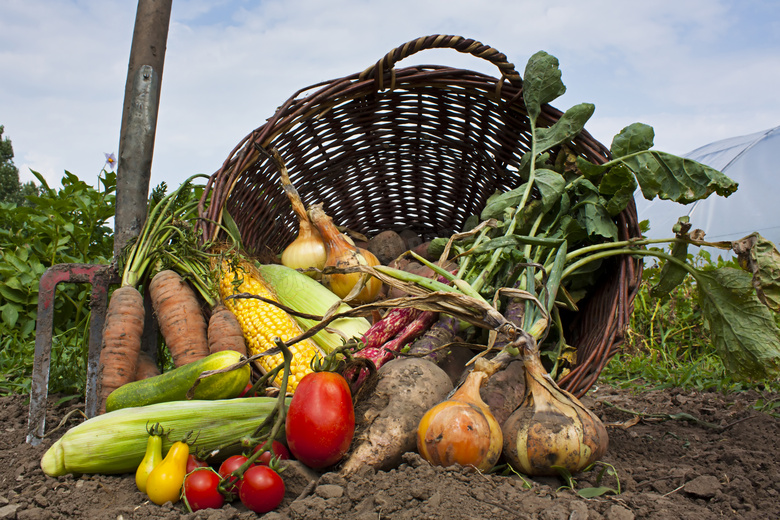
(320, 420)
(231, 464)
(262, 489)
(279, 449)
(194, 462)
(201, 490)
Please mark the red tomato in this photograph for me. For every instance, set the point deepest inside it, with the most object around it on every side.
(193, 463)
(320, 421)
(279, 449)
(229, 466)
(262, 489)
(201, 490)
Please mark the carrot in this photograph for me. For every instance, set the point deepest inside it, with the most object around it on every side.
(146, 367)
(121, 342)
(181, 321)
(224, 332)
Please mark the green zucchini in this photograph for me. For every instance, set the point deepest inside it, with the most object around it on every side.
(174, 384)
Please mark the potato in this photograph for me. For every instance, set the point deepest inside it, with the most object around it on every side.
(386, 421)
(387, 246)
(411, 238)
(422, 250)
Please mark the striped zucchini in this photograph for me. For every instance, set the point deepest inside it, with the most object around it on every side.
(115, 442)
(174, 384)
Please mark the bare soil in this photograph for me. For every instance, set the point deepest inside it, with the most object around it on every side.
(721, 460)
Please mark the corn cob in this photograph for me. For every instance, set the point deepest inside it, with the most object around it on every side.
(115, 442)
(261, 322)
(306, 295)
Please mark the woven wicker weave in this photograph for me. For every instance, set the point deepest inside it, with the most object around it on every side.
(417, 148)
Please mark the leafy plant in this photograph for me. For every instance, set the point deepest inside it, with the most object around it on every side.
(69, 225)
(768, 406)
(570, 483)
(11, 190)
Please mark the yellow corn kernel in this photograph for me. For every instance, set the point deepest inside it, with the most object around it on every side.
(261, 322)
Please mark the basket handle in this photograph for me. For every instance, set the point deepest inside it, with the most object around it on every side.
(440, 41)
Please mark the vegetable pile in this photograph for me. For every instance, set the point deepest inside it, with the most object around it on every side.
(350, 351)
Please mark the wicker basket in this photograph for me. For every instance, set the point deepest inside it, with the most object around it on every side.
(417, 148)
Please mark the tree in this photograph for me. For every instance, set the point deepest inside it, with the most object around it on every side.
(11, 190)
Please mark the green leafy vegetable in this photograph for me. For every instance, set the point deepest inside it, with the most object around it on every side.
(617, 186)
(675, 178)
(550, 185)
(568, 126)
(555, 233)
(636, 137)
(541, 83)
(672, 273)
(500, 202)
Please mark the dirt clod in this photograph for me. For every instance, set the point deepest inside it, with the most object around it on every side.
(706, 486)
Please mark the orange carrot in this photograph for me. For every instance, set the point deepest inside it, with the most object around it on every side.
(146, 367)
(122, 333)
(179, 316)
(225, 332)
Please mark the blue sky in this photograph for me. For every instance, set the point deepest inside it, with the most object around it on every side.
(695, 70)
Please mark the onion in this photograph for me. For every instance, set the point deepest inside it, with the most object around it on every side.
(461, 430)
(307, 251)
(342, 254)
(551, 428)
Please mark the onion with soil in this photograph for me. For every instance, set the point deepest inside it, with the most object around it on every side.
(343, 255)
(551, 429)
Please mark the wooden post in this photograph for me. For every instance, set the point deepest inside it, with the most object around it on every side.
(139, 118)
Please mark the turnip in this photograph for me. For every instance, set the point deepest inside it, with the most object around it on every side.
(387, 419)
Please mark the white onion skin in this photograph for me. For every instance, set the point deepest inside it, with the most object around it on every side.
(306, 251)
(341, 254)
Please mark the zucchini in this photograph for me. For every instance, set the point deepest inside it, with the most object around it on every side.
(115, 442)
(174, 384)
